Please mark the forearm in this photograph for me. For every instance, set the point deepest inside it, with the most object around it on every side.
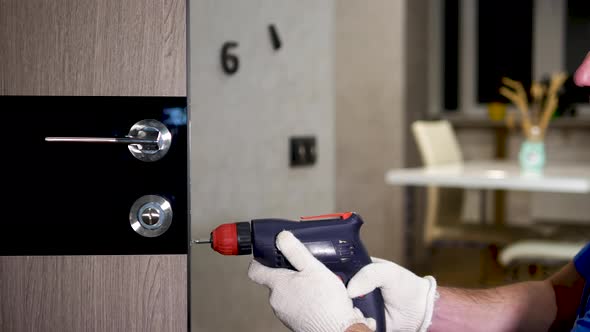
(528, 306)
(358, 328)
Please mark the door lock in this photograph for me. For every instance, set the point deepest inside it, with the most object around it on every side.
(148, 140)
(150, 215)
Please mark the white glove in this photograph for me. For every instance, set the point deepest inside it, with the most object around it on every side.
(311, 299)
(409, 299)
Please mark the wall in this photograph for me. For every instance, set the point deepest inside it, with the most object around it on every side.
(370, 127)
(240, 130)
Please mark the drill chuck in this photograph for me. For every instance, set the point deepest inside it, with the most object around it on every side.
(232, 239)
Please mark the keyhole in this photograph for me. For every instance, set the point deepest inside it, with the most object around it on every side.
(150, 216)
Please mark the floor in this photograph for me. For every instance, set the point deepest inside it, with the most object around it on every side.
(476, 268)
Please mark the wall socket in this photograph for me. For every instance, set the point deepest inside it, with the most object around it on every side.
(303, 151)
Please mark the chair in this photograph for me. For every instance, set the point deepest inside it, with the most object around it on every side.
(545, 255)
(443, 225)
(438, 145)
(549, 255)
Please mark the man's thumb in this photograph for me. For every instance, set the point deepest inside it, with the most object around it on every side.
(367, 279)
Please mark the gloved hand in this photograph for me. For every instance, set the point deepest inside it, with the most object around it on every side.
(409, 299)
(311, 299)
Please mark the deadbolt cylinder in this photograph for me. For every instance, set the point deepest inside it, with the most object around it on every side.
(150, 215)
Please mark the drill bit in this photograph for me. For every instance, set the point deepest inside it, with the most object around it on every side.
(201, 241)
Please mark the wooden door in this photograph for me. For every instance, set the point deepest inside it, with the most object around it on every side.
(94, 236)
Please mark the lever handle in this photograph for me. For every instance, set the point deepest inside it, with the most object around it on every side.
(148, 140)
(122, 140)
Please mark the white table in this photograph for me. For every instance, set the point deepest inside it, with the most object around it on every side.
(495, 175)
(491, 175)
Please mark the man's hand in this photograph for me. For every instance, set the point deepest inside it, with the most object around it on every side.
(409, 299)
(311, 299)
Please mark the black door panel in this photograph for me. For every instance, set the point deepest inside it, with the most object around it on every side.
(75, 198)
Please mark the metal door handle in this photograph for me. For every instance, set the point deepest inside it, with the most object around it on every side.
(124, 140)
(148, 140)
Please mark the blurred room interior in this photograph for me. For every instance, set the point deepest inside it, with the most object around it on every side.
(453, 127)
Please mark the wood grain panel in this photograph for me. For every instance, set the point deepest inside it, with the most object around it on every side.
(93, 293)
(91, 47)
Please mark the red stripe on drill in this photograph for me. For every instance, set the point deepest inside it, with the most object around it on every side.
(342, 216)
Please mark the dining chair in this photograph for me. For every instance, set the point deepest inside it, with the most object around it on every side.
(438, 145)
(538, 256)
(541, 256)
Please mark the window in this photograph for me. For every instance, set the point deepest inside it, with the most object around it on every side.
(504, 45)
(474, 43)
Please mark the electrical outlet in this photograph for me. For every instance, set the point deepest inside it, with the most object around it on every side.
(303, 151)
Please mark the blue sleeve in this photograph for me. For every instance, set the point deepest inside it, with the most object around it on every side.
(582, 262)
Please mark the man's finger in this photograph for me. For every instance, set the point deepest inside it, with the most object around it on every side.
(296, 252)
(266, 276)
(370, 322)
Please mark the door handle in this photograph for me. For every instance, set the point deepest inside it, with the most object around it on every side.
(148, 140)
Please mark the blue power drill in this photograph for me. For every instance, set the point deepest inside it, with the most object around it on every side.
(334, 239)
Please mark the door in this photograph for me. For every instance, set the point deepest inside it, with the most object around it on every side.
(94, 229)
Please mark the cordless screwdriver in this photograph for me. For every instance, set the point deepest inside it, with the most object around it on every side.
(334, 239)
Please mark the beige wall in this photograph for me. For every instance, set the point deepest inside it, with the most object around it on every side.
(370, 130)
(240, 128)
